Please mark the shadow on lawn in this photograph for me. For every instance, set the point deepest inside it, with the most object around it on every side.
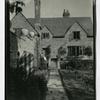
(34, 87)
(76, 93)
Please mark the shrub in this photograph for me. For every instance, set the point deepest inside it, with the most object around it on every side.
(80, 64)
(88, 51)
(63, 65)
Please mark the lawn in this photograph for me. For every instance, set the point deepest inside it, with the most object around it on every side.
(78, 84)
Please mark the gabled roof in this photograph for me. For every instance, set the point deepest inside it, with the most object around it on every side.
(20, 21)
(58, 26)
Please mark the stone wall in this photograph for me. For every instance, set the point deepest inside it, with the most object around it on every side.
(28, 46)
(21, 45)
(84, 40)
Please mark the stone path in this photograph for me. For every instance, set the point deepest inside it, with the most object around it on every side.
(55, 88)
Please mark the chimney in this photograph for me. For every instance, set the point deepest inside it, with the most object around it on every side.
(37, 5)
(66, 14)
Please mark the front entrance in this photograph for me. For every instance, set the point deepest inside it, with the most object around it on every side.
(53, 63)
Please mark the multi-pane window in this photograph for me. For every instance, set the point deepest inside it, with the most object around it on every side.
(45, 36)
(75, 50)
(76, 34)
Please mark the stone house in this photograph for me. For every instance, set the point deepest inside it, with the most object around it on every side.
(23, 43)
(75, 34)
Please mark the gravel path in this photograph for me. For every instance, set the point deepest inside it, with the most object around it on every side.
(55, 88)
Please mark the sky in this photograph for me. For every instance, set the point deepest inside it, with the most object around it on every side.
(54, 8)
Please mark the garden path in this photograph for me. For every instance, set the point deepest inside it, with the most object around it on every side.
(55, 88)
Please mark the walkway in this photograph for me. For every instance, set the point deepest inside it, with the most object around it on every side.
(55, 88)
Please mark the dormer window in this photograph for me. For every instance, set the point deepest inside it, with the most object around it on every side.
(76, 35)
(45, 36)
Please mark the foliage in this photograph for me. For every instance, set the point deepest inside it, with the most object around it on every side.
(61, 51)
(63, 65)
(47, 52)
(43, 63)
(76, 64)
(88, 51)
(14, 7)
(80, 65)
(21, 84)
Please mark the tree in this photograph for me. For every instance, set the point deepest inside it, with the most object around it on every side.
(61, 51)
(88, 51)
(14, 6)
(47, 52)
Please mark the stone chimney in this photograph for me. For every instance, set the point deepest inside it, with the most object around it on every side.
(66, 13)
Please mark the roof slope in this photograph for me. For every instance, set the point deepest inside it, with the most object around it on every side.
(20, 21)
(58, 26)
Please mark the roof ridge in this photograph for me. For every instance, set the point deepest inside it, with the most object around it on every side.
(59, 17)
(59, 26)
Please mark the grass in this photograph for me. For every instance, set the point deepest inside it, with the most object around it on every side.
(79, 84)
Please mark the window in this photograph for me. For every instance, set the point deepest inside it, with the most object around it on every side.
(75, 50)
(76, 34)
(45, 36)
